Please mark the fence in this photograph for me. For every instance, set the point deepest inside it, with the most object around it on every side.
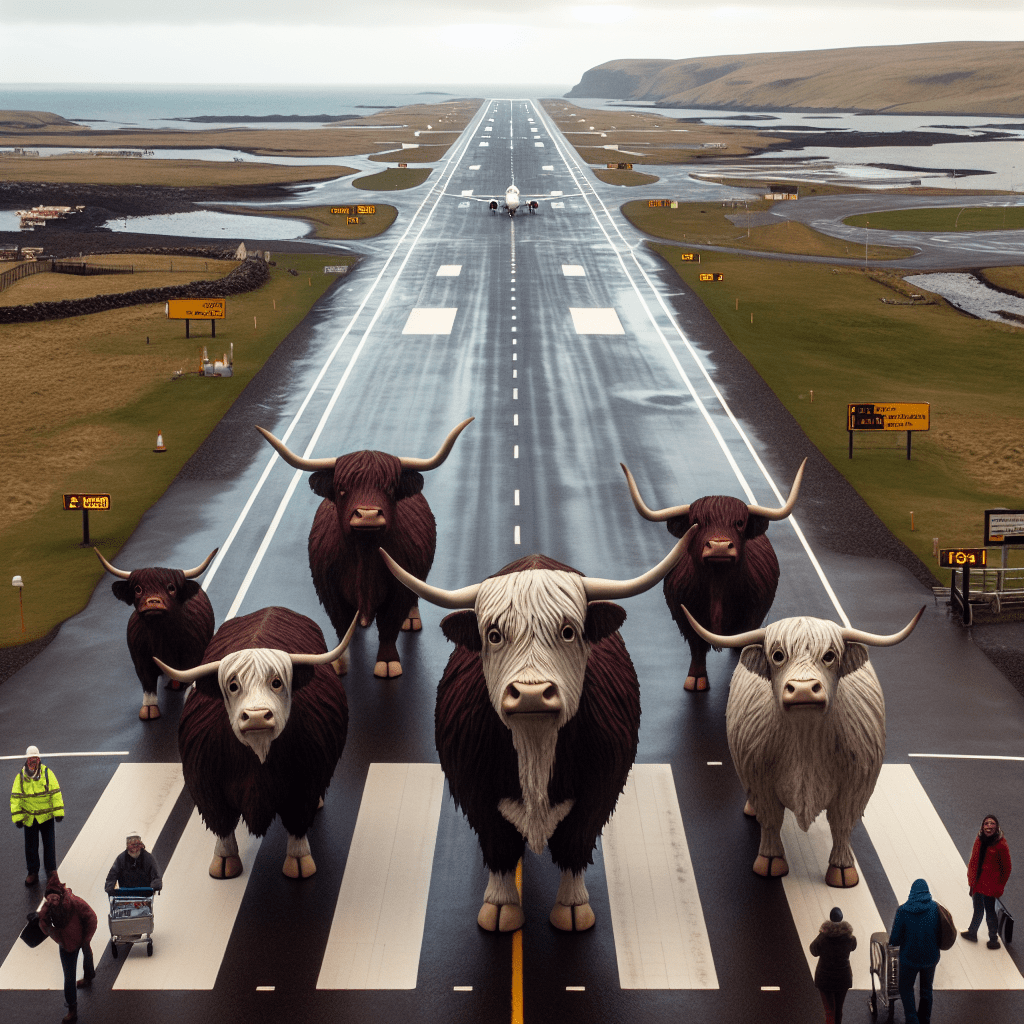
(992, 595)
(9, 277)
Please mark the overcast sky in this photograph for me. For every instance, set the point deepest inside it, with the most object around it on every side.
(446, 41)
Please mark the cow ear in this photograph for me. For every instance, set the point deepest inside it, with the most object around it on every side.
(756, 526)
(603, 619)
(301, 674)
(188, 589)
(462, 629)
(853, 658)
(678, 525)
(321, 483)
(409, 483)
(753, 660)
(122, 591)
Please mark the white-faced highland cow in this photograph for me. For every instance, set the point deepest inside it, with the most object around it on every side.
(806, 726)
(537, 720)
(729, 573)
(371, 499)
(262, 731)
(172, 620)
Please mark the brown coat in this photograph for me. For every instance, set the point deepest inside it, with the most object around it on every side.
(833, 946)
(79, 930)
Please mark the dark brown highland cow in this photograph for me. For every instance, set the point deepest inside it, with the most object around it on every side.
(262, 733)
(728, 575)
(371, 500)
(537, 719)
(173, 620)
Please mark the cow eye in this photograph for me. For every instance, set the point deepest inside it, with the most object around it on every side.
(494, 635)
(828, 657)
(739, 524)
(778, 657)
(233, 686)
(171, 588)
(276, 684)
(138, 590)
(568, 634)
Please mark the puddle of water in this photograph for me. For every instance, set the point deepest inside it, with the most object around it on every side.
(966, 292)
(211, 224)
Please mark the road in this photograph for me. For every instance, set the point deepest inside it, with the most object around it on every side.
(386, 929)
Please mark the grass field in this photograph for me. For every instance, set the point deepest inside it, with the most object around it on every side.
(1009, 278)
(394, 179)
(810, 327)
(949, 218)
(709, 224)
(327, 224)
(87, 396)
(623, 177)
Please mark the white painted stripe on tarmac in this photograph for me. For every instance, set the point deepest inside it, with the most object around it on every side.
(661, 940)
(450, 269)
(425, 320)
(193, 917)
(377, 933)
(912, 843)
(138, 796)
(811, 900)
(596, 320)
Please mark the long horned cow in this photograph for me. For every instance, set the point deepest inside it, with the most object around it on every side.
(262, 732)
(370, 499)
(729, 573)
(537, 720)
(806, 726)
(173, 620)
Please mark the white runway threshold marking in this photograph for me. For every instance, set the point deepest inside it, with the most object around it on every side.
(661, 941)
(912, 843)
(449, 270)
(138, 796)
(377, 933)
(595, 320)
(430, 321)
(573, 270)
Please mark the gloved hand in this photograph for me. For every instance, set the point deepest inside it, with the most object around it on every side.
(19, 824)
(58, 820)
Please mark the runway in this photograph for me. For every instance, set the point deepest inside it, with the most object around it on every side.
(556, 332)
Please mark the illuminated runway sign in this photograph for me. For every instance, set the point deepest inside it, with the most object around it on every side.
(89, 502)
(711, 277)
(957, 558)
(888, 416)
(354, 211)
(195, 309)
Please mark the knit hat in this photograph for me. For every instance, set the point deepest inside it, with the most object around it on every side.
(32, 751)
(836, 915)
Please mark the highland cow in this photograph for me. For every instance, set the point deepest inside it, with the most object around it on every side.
(537, 720)
(370, 499)
(172, 620)
(729, 573)
(262, 731)
(806, 726)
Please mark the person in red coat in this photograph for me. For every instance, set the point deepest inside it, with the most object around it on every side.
(987, 875)
(71, 923)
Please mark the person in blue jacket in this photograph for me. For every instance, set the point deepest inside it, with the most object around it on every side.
(915, 929)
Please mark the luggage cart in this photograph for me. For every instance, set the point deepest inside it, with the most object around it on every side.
(131, 919)
(885, 963)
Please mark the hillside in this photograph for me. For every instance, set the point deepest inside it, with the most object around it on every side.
(926, 78)
(30, 119)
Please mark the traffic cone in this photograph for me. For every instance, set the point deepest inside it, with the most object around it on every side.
(160, 447)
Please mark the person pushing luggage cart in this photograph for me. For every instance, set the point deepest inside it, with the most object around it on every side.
(132, 881)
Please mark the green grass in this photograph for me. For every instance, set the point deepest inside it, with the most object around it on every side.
(331, 225)
(810, 327)
(615, 176)
(44, 546)
(949, 218)
(394, 179)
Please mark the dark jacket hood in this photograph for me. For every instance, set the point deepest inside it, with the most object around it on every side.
(836, 929)
(920, 898)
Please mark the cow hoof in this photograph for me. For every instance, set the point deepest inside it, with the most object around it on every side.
(148, 712)
(340, 666)
(299, 867)
(748, 810)
(696, 683)
(841, 878)
(225, 867)
(572, 919)
(387, 669)
(506, 918)
(413, 623)
(771, 867)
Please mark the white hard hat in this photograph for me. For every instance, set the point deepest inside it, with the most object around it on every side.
(32, 751)
(132, 835)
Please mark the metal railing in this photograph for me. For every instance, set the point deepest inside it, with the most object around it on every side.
(996, 590)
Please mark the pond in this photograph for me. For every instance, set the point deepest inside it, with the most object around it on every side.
(211, 224)
(966, 292)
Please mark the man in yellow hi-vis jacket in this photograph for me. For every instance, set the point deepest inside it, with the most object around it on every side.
(36, 803)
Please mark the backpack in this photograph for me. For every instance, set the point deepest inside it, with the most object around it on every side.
(947, 930)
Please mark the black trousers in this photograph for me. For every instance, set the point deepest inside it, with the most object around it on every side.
(32, 836)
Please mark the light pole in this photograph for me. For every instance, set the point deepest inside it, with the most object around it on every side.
(20, 584)
(866, 222)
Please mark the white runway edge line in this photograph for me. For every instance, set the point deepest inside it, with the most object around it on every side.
(433, 198)
(588, 193)
(967, 757)
(77, 753)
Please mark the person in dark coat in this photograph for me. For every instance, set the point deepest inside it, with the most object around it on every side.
(71, 923)
(915, 929)
(833, 976)
(133, 868)
(987, 875)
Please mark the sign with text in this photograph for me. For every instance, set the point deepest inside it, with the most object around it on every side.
(195, 309)
(711, 277)
(888, 416)
(957, 558)
(690, 257)
(1004, 526)
(89, 502)
(354, 211)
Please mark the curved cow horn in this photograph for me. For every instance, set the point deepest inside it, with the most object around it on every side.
(326, 659)
(655, 517)
(442, 453)
(614, 590)
(293, 460)
(753, 636)
(186, 675)
(111, 569)
(464, 598)
(876, 640)
(775, 514)
(191, 574)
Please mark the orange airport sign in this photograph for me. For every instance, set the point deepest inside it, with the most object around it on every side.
(87, 502)
(889, 416)
(957, 558)
(196, 309)
(711, 277)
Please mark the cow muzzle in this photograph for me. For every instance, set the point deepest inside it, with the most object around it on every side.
(804, 693)
(719, 551)
(531, 699)
(367, 519)
(254, 719)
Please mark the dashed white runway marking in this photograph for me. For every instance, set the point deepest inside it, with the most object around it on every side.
(548, 167)
(474, 167)
(515, 394)
(558, 192)
(515, 451)
(573, 270)
(595, 320)
(424, 320)
(515, 536)
(515, 500)
(466, 192)
(539, 145)
(484, 143)
(449, 269)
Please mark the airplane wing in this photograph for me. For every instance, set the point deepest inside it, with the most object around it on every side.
(546, 197)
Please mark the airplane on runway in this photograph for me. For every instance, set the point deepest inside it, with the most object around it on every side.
(512, 200)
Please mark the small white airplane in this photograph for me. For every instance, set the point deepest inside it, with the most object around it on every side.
(513, 200)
